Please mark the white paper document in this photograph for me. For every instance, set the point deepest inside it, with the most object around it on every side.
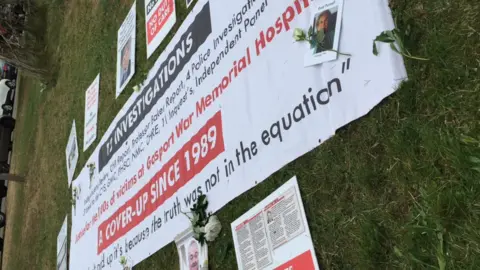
(126, 41)
(91, 113)
(274, 234)
(71, 153)
(62, 249)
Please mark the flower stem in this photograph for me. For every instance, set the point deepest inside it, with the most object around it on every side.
(346, 54)
(415, 58)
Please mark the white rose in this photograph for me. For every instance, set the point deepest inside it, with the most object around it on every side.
(298, 34)
(213, 228)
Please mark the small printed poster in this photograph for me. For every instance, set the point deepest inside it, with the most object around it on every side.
(160, 18)
(91, 113)
(126, 41)
(274, 234)
(325, 29)
(71, 153)
(193, 256)
(62, 248)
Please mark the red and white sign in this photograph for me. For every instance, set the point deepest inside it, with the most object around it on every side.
(160, 18)
(274, 234)
(91, 113)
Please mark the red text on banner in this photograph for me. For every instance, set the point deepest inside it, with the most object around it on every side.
(190, 160)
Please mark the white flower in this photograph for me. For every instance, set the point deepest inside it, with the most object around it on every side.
(136, 88)
(298, 34)
(213, 228)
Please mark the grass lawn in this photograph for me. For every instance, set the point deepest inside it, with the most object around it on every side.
(395, 189)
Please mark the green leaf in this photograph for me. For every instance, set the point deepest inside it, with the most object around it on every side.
(201, 199)
(390, 34)
(398, 39)
(398, 252)
(205, 205)
(375, 50)
(392, 45)
(475, 160)
(310, 31)
(442, 263)
(468, 140)
(385, 37)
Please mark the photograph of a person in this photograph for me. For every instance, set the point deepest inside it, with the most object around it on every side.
(126, 62)
(269, 217)
(193, 253)
(324, 28)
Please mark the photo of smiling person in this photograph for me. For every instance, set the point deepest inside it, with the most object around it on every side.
(193, 254)
(323, 34)
(324, 30)
(126, 63)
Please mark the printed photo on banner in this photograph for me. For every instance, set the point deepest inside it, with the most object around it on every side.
(126, 50)
(91, 113)
(193, 256)
(160, 18)
(325, 29)
(71, 153)
(274, 234)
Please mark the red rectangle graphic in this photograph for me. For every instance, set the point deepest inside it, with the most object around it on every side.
(303, 261)
(190, 160)
(159, 17)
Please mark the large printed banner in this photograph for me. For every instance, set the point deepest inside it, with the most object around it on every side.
(227, 104)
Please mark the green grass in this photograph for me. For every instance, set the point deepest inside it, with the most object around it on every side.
(393, 190)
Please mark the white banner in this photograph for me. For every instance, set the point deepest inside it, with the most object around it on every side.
(62, 248)
(227, 104)
(126, 40)
(160, 17)
(91, 113)
(71, 153)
